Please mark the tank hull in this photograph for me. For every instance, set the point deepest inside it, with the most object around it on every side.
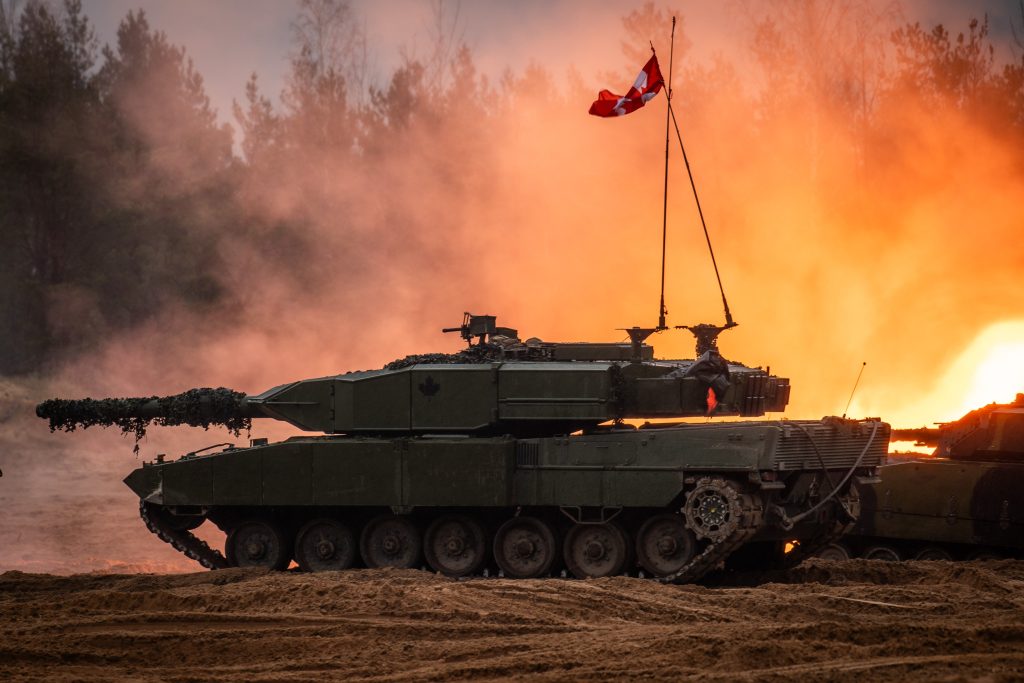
(964, 502)
(762, 474)
(939, 505)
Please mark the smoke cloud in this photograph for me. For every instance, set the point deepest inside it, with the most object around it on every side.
(854, 219)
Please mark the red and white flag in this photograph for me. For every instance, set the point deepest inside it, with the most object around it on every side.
(648, 84)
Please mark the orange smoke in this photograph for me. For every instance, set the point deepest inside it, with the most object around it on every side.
(852, 219)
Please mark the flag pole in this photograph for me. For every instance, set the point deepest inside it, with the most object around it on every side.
(664, 207)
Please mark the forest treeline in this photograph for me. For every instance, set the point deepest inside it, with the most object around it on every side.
(123, 195)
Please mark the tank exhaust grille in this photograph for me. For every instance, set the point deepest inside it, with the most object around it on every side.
(838, 451)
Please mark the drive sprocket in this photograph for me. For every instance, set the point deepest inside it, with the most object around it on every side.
(713, 509)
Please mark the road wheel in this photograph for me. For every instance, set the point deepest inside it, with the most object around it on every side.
(664, 544)
(596, 550)
(258, 544)
(833, 552)
(984, 555)
(325, 545)
(882, 552)
(455, 545)
(391, 541)
(524, 547)
(934, 553)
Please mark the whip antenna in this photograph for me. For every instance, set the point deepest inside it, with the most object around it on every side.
(862, 366)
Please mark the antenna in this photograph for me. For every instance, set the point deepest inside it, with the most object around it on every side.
(862, 366)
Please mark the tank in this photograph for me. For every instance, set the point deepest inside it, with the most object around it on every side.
(966, 501)
(522, 458)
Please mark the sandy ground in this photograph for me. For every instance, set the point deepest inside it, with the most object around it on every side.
(850, 621)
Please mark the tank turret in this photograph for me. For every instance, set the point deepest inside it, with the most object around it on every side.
(499, 384)
(991, 433)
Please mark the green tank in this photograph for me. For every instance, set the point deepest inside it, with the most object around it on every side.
(966, 501)
(511, 456)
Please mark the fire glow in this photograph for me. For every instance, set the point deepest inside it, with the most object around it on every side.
(990, 369)
(712, 401)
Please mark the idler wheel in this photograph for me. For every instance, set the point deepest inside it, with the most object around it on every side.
(391, 541)
(713, 509)
(325, 545)
(596, 550)
(664, 545)
(258, 544)
(163, 516)
(524, 547)
(455, 545)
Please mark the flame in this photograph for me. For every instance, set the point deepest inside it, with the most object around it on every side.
(712, 401)
(1000, 374)
(989, 369)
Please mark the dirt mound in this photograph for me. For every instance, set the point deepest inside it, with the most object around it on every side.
(831, 621)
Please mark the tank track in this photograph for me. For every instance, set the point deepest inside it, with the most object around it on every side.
(185, 542)
(747, 525)
(833, 533)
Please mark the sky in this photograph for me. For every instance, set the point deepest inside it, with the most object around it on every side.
(230, 39)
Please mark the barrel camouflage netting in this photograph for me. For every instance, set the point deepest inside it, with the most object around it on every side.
(196, 408)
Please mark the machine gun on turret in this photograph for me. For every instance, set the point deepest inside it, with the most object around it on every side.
(480, 327)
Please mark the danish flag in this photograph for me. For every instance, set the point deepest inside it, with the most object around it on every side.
(648, 84)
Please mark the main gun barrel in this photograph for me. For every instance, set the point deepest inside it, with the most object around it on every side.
(928, 436)
(196, 407)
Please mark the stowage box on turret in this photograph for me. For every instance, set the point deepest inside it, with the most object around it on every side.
(517, 456)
